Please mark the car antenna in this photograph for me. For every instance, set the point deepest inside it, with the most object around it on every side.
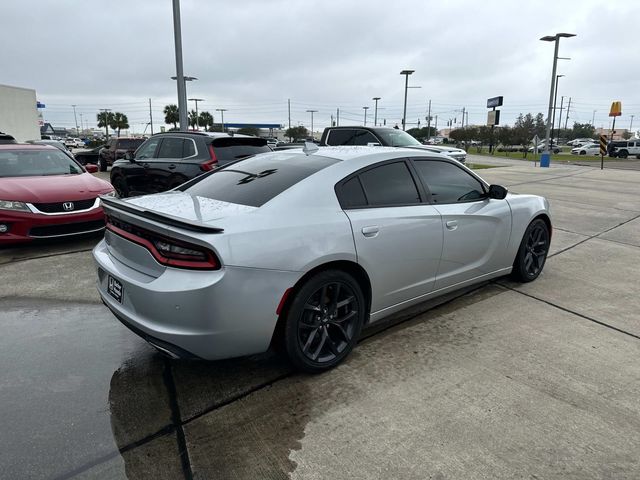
(309, 148)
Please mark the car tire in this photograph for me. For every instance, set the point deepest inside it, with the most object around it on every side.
(532, 253)
(323, 321)
(623, 154)
(583, 152)
(120, 185)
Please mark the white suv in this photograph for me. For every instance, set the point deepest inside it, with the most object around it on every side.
(632, 147)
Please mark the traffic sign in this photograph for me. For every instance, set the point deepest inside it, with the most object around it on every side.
(603, 145)
(616, 109)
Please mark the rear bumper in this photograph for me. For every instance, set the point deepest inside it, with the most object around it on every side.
(206, 314)
(26, 227)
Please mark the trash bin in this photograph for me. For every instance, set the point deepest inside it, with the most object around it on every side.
(545, 159)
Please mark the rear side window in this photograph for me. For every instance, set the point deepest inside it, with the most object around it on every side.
(352, 195)
(389, 184)
(257, 180)
(129, 143)
(234, 148)
(171, 148)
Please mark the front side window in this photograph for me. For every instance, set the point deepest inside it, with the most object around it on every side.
(389, 184)
(448, 183)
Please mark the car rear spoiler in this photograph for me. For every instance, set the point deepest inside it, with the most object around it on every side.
(110, 203)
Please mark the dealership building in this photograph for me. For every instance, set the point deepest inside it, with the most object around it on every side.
(19, 113)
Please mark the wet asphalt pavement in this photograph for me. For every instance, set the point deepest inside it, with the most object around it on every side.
(529, 381)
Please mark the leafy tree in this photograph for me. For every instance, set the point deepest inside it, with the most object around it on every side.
(104, 120)
(205, 119)
(626, 135)
(216, 127)
(249, 131)
(296, 133)
(583, 130)
(119, 121)
(486, 136)
(524, 131)
(505, 136)
(171, 115)
(422, 134)
(192, 119)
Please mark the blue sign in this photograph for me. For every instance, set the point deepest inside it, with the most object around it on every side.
(40, 105)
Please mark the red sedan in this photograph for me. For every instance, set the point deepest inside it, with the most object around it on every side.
(46, 194)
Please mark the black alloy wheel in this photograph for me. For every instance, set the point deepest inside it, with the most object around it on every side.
(533, 252)
(623, 154)
(324, 321)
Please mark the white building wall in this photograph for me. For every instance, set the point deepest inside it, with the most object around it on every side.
(18, 113)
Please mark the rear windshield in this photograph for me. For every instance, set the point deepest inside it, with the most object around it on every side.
(257, 180)
(129, 143)
(234, 148)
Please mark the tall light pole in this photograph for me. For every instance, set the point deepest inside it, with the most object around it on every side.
(593, 117)
(631, 124)
(545, 159)
(375, 114)
(365, 115)
(312, 112)
(555, 98)
(182, 89)
(222, 110)
(197, 100)
(76, 119)
(406, 74)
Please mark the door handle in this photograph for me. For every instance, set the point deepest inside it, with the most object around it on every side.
(172, 166)
(370, 231)
(452, 224)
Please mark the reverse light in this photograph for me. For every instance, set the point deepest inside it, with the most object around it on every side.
(15, 206)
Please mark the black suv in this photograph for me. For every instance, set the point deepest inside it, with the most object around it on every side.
(117, 147)
(167, 160)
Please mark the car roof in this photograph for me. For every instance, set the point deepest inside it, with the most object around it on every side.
(26, 146)
(351, 152)
(206, 134)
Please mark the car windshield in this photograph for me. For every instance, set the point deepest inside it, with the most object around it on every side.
(32, 163)
(129, 143)
(396, 138)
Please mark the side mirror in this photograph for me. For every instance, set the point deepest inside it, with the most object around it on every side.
(91, 168)
(497, 192)
(128, 156)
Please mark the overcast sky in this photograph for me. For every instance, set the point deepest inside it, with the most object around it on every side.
(251, 56)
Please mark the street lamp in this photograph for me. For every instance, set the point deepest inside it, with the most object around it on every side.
(545, 159)
(375, 115)
(312, 112)
(406, 74)
(197, 100)
(365, 115)
(555, 99)
(222, 110)
(182, 100)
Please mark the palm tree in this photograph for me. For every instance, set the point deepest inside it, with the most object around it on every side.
(205, 119)
(193, 119)
(119, 121)
(104, 120)
(171, 115)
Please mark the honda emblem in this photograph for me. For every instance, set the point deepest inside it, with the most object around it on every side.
(68, 206)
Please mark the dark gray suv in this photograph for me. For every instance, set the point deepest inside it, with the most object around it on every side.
(167, 160)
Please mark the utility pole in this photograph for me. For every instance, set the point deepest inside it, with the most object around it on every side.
(289, 108)
(76, 119)
(463, 117)
(560, 119)
(365, 115)
(566, 120)
(337, 117)
(429, 123)
(436, 126)
(631, 124)
(150, 117)
(593, 117)
(82, 124)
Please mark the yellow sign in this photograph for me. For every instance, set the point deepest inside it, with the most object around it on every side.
(616, 109)
(603, 144)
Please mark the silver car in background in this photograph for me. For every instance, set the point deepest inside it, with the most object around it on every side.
(306, 247)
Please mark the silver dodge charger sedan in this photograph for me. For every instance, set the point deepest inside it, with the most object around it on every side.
(305, 247)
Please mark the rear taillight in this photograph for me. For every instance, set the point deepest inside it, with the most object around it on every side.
(212, 163)
(166, 251)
